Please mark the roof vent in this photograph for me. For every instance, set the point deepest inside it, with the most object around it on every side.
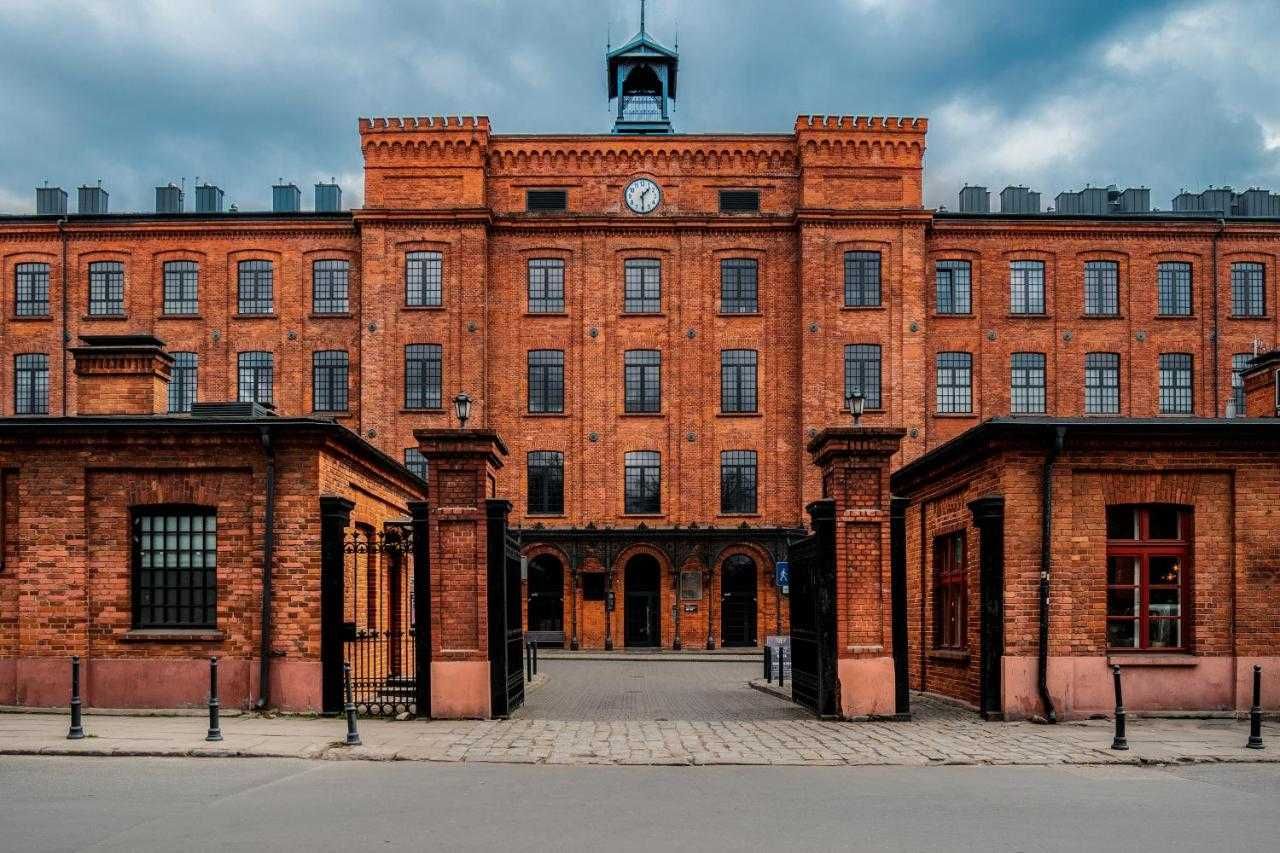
(169, 199)
(328, 197)
(231, 410)
(51, 201)
(975, 200)
(208, 199)
(286, 198)
(93, 200)
(1019, 200)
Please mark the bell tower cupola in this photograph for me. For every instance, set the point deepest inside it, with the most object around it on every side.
(642, 79)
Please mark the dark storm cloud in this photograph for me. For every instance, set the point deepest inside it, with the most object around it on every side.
(242, 93)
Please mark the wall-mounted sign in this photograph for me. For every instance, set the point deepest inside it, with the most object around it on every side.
(691, 608)
(691, 586)
(782, 573)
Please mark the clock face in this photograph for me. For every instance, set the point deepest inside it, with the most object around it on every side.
(643, 195)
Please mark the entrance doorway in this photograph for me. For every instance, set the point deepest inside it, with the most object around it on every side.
(738, 602)
(546, 601)
(641, 602)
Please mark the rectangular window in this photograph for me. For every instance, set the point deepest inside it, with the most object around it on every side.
(182, 381)
(546, 381)
(643, 286)
(1102, 288)
(739, 201)
(256, 376)
(1239, 362)
(1173, 286)
(546, 286)
(1026, 391)
(738, 481)
(31, 290)
(949, 611)
(181, 287)
(423, 375)
(546, 482)
(415, 462)
(861, 279)
(642, 380)
(543, 201)
(862, 373)
(1102, 383)
(31, 383)
(329, 371)
(952, 280)
(423, 279)
(643, 482)
(175, 559)
(1026, 287)
(955, 378)
(739, 280)
(738, 380)
(106, 289)
(255, 288)
(330, 286)
(1248, 290)
(1148, 558)
(1176, 396)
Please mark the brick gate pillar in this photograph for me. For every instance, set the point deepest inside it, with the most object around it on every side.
(855, 474)
(462, 468)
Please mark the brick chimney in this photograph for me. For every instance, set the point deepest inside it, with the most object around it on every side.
(121, 375)
(1262, 386)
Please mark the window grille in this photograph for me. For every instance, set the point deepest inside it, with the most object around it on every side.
(181, 287)
(1176, 397)
(862, 373)
(955, 376)
(329, 372)
(546, 286)
(1102, 288)
(546, 381)
(954, 289)
(643, 286)
(1173, 285)
(861, 279)
(256, 369)
(739, 281)
(1102, 383)
(1248, 290)
(643, 482)
(738, 481)
(642, 379)
(1026, 393)
(423, 376)
(738, 380)
(31, 383)
(183, 381)
(415, 462)
(423, 279)
(31, 290)
(330, 286)
(175, 556)
(106, 288)
(1026, 287)
(255, 288)
(546, 482)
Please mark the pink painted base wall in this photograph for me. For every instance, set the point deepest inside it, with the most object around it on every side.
(460, 690)
(866, 687)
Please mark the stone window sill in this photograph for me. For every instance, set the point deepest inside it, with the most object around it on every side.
(180, 317)
(949, 316)
(643, 314)
(546, 414)
(330, 315)
(29, 318)
(436, 411)
(1028, 316)
(739, 313)
(1151, 659)
(173, 635)
(1175, 316)
(880, 307)
(88, 318)
(956, 415)
(642, 415)
(271, 316)
(1102, 317)
(1248, 316)
(740, 414)
(949, 655)
(422, 307)
(546, 313)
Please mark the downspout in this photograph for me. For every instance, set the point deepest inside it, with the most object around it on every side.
(1217, 391)
(1046, 535)
(268, 549)
(66, 336)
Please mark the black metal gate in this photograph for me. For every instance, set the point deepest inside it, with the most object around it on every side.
(379, 628)
(506, 633)
(813, 613)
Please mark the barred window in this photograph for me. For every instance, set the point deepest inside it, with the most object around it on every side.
(31, 290)
(31, 383)
(1026, 287)
(423, 376)
(181, 287)
(738, 380)
(106, 288)
(257, 375)
(183, 381)
(175, 558)
(1102, 383)
(739, 281)
(1176, 396)
(329, 371)
(643, 286)
(955, 378)
(1173, 286)
(546, 381)
(1248, 290)
(862, 373)
(861, 279)
(643, 482)
(1102, 288)
(953, 282)
(330, 286)
(255, 288)
(423, 279)
(1026, 393)
(415, 462)
(950, 589)
(1239, 362)
(738, 481)
(546, 286)
(642, 378)
(546, 482)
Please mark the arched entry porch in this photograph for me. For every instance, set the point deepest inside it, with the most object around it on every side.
(642, 602)
(545, 596)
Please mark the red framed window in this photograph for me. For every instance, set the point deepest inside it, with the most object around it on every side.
(1148, 577)
(949, 623)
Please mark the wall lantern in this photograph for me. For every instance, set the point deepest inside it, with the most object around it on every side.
(462, 408)
(856, 403)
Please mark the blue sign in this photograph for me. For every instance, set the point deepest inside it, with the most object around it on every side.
(782, 573)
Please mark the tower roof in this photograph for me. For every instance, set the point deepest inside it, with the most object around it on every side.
(641, 47)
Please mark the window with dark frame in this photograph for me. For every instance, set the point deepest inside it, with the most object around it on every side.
(950, 617)
(31, 383)
(1026, 383)
(1173, 288)
(423, 376)
(256, 370)
(175, 560)
(183, 378)
(862, 373)
(181, 288)
(424, 279)
(738, 380)
(1239, 362)
(1102, 383)
(330, 370)
(953, 286)
(1148, 561)
(1026, 287)
(546, 381)
(415, 462)
(739, 284)
(642, 482)
(1248, 289)
(861, 279)
(546, 482)
(642, 286)
(31, 290)
(546, 286)
(1102, 288)
(642, 380)
(955, 382)
(737, 481)
(106, 289)
(330, 286)
(255, 288)
(1176, 395)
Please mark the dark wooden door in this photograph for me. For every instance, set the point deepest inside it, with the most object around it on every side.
(738, 602)
(642, 602)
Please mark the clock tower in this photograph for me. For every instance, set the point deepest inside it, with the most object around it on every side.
(641, 76)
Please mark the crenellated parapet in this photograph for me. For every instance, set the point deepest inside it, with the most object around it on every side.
(850, 162)
(428, 162)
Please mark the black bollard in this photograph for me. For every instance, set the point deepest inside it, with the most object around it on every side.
(76, 732)
(353, 736)
(528, 662)
(535, 656)
(1120, 741)
(215, 726)
(768, 664)
(782, 666)
(1255, 712)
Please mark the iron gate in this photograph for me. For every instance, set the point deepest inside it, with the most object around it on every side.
(379, 629)
(506, 632)
(813, 614)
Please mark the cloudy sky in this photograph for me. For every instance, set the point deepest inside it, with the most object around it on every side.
(1051, 94)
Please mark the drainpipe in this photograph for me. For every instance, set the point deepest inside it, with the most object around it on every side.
(66, 336)
(1046, 536)
(1217, 391)
(268, 548)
